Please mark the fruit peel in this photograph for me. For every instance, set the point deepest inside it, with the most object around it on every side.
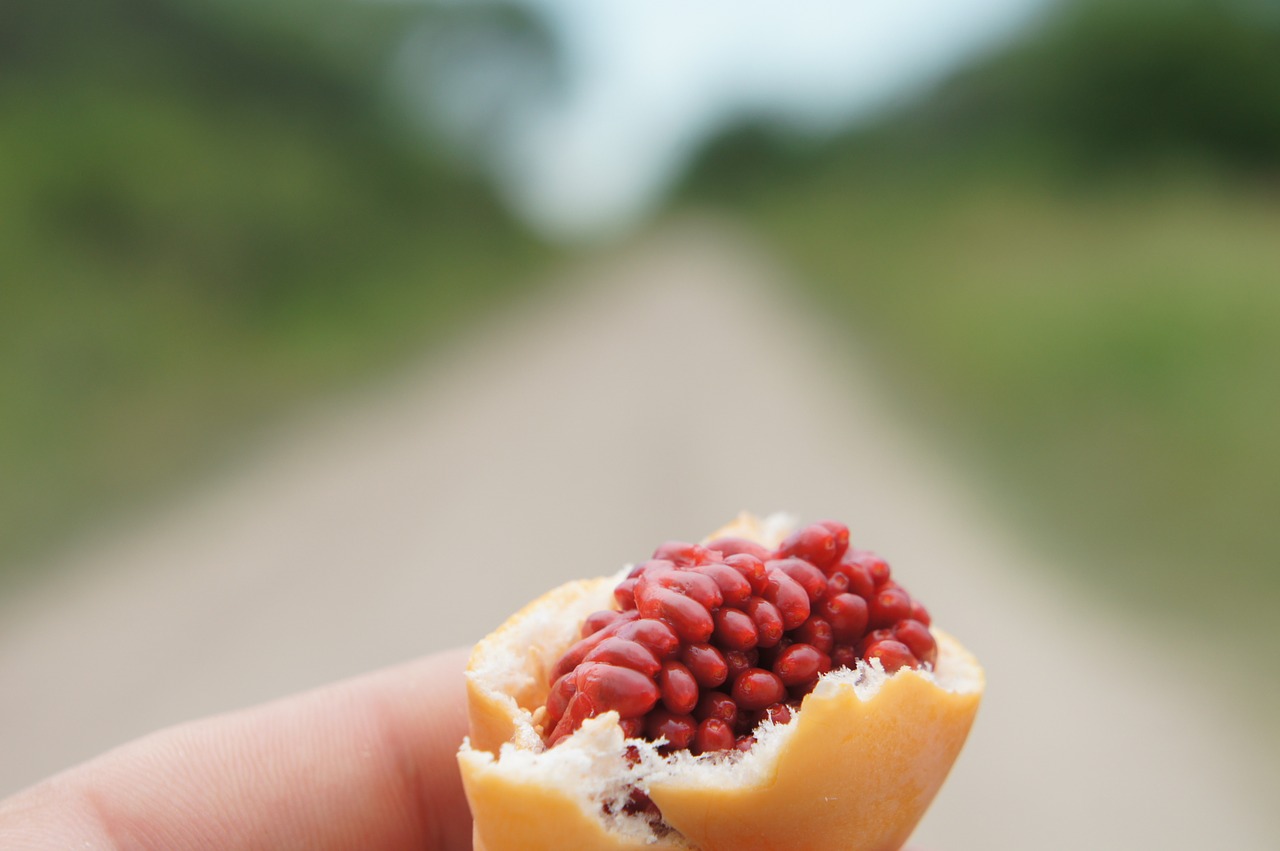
(855, 769)
(850, 771)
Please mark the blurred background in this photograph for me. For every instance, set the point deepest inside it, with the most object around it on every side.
(312, 311)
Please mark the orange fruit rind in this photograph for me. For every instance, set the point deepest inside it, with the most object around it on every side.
(854, 769)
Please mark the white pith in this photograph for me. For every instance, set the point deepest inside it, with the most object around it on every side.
(591, 763)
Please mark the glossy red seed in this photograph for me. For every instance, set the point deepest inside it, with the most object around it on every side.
(640, 804)
(812, 580)
(888, 606)
(893, 655)
(580, 708)
(841, 533)
(816, 631)
(735, 630)
(756, 688)
(628, 692)
(800, 663)
(847, 614)
(713, 735)
(706, 663)
(871, 638)
(691, 621)
(857, 575)
(696, 586)
(816, 544)
(652, 564)
(837, 583)
(877, 567)
(734, 587)
(745, 743)
(752, 569)
(778, 713)
(682, 553)
(844, 656)
(716, 704)
(918, 640)
(597, 621)
(734, 546)
(678, 687)
(632, 728)
(579, 649)
(626, 654)
(767, 619)
(657, 635)
(789, 597)
(739, 661)
(562, 691)
(920, 613)
(625, 594)
(678, 730)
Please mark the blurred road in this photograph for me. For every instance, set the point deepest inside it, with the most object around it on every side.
(651, 396)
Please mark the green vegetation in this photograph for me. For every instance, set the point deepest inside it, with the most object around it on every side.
(206, 218)
(1066, 261)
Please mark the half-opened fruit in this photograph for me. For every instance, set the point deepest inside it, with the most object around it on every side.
(766, 689)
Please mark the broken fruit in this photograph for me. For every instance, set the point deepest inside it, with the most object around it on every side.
(722, 695)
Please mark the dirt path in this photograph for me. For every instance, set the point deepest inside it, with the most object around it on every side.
(653, 397)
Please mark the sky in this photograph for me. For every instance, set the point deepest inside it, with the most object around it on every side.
(649, 80)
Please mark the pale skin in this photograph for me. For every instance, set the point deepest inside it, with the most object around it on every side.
(367, 763)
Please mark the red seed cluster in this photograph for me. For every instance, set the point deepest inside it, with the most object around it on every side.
(708, 641)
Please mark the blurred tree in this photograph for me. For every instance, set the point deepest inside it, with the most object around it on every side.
(1065, 258)
(1119, 83)
(208, 212)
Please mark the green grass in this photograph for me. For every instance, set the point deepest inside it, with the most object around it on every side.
(1065, 263)
(1108, 353)
(200, 230)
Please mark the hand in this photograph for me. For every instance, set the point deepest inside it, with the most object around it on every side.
(369, 763)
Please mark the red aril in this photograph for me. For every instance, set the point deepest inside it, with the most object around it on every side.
(841, 533)
(817, 632)
(682, 553)
(752, 569)
(756, 688)
(731, 632)
(918, 639)
(678, 730)
(734, 586)
(856, 576)
(690, 620)
(706, 663)
(892, 655)
(808, 577)
(816, 544)
(739, 661)
(713, 735)
(767, 620)
(789, 597)
(598, 621)
(679, 689)
(801, 663)
(717, 704)
(735, 546)
(920, 613)
(651, 633)
(735, 630)
(888, 606)
(847, 614)
(630, 693)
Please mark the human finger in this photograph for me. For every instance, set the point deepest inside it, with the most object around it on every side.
(368, 763)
